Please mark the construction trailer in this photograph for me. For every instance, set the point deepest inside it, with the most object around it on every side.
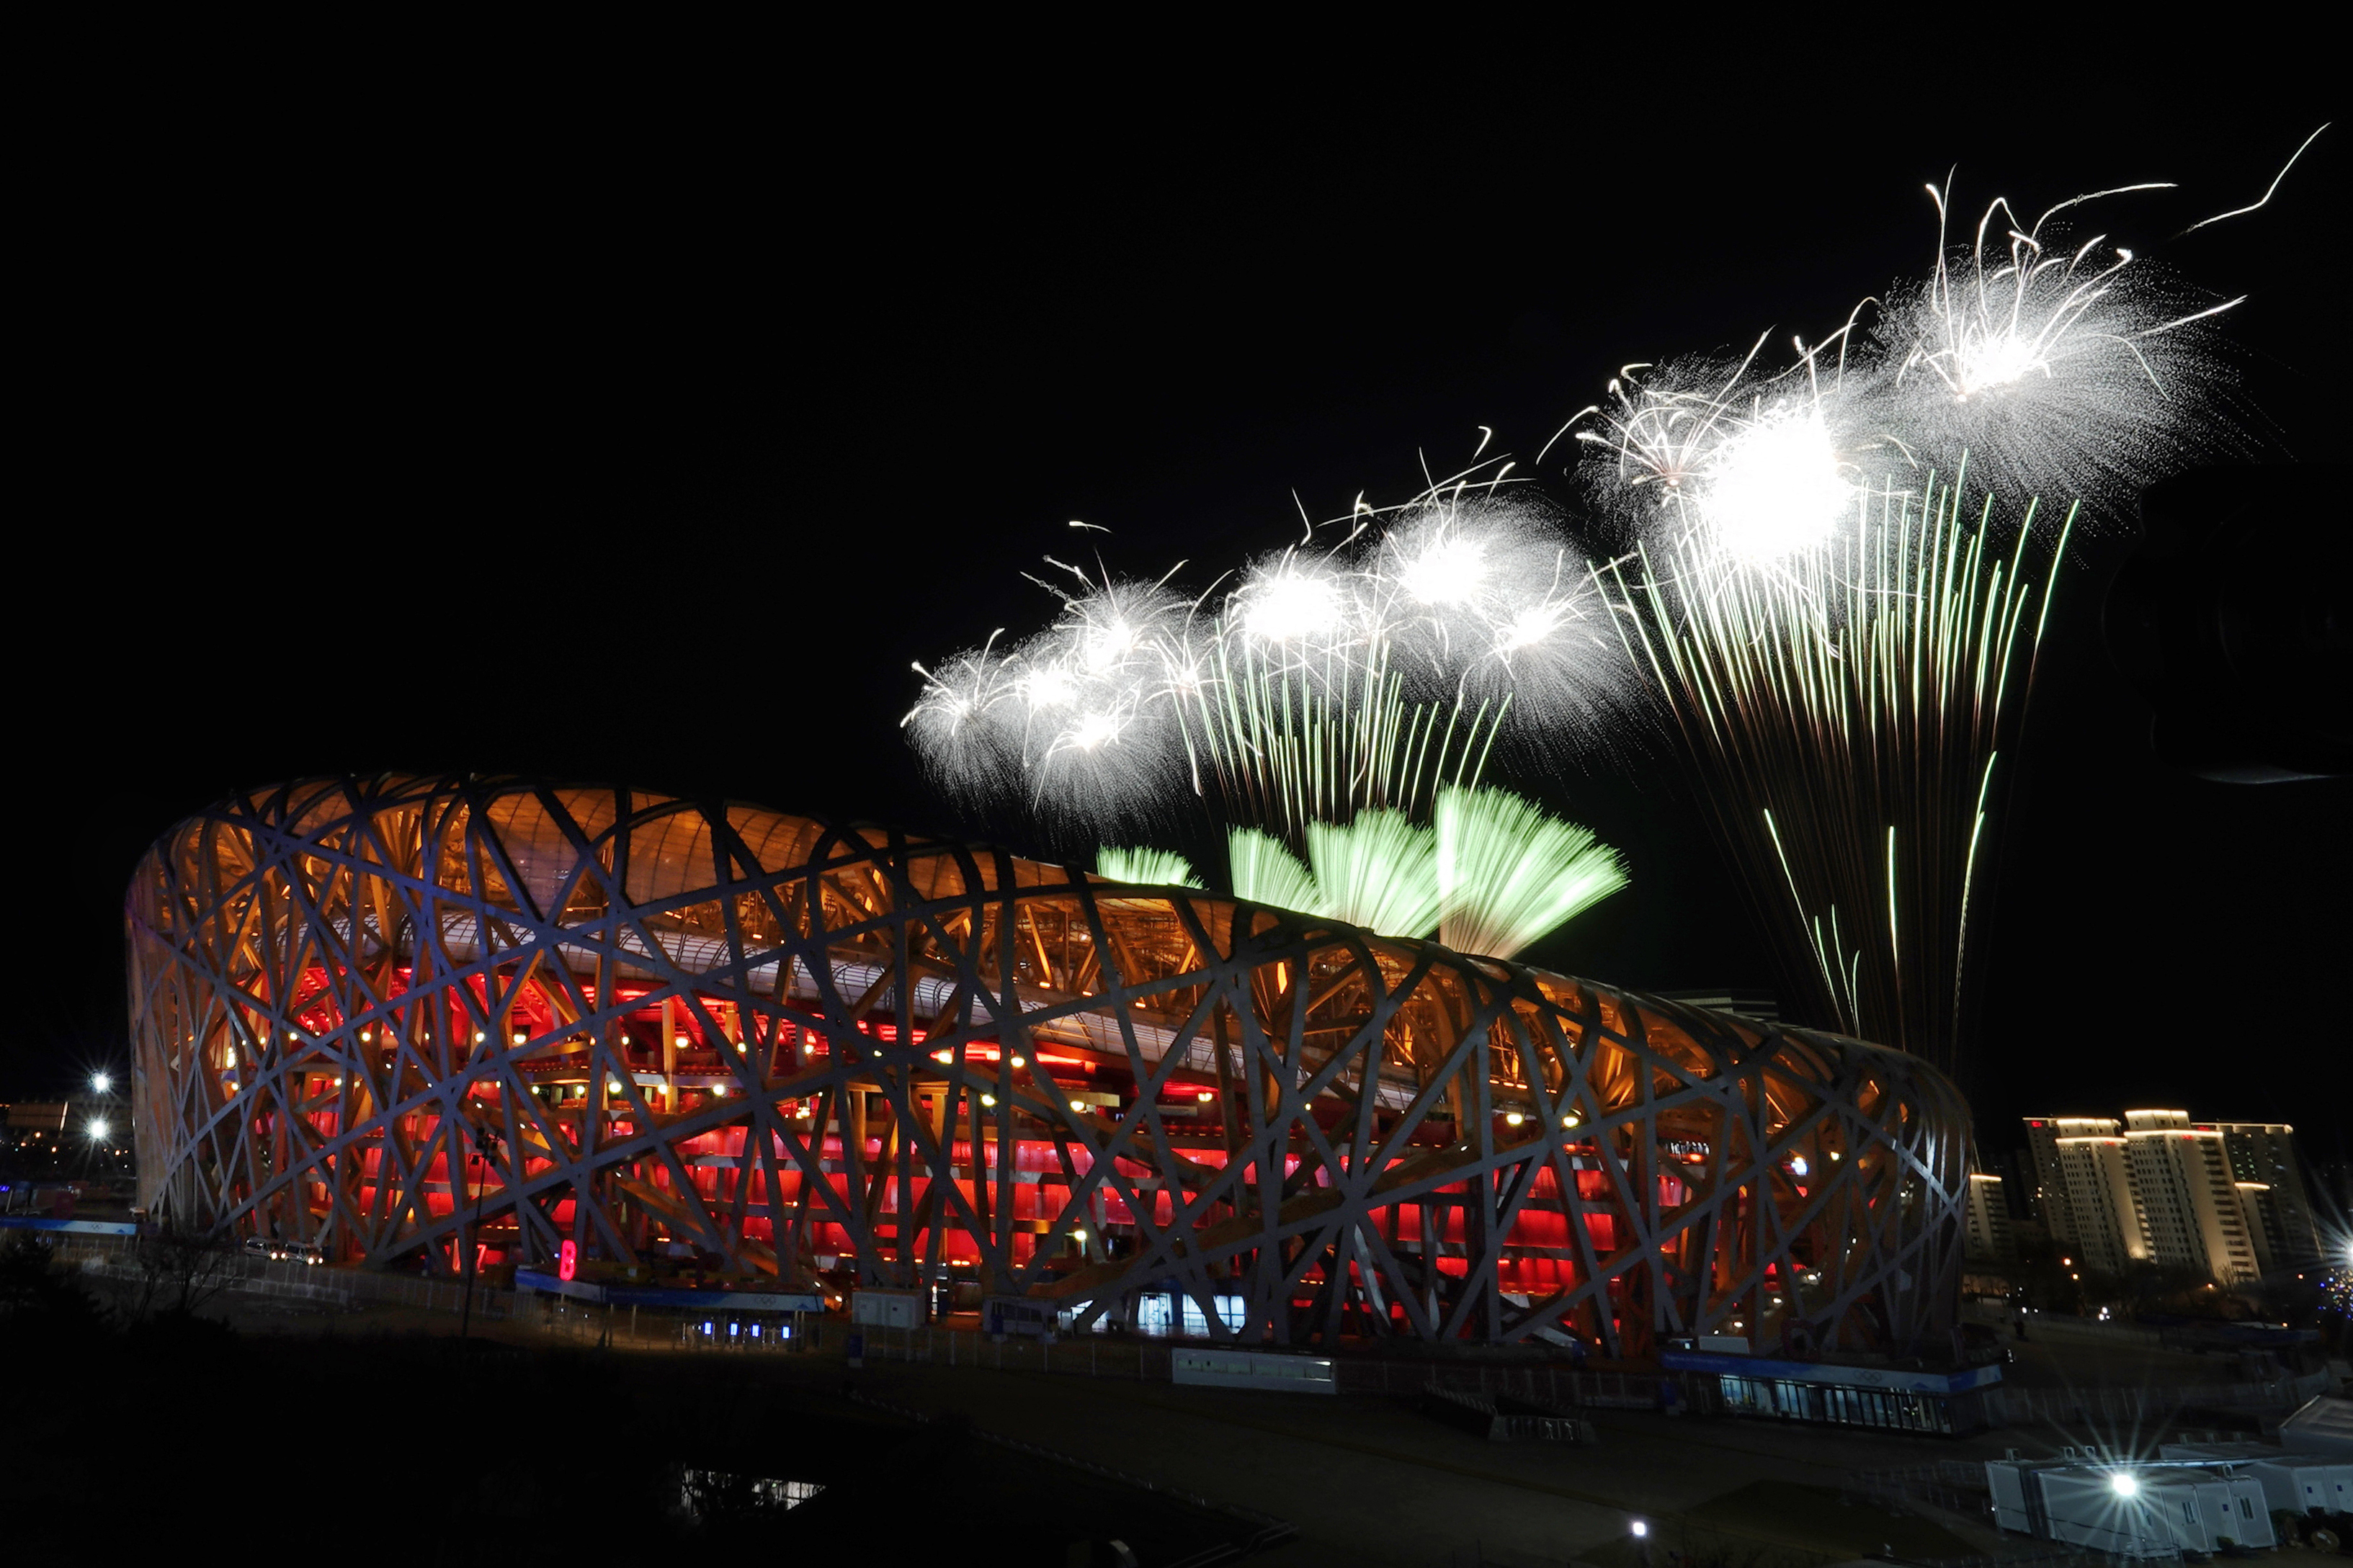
(889, 1309)
(2293, 1483)
(2129, 1507)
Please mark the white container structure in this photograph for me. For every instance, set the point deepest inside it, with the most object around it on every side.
(1216, 1368)
(2131, 1508)
(885, 1308)
(2293, 1483)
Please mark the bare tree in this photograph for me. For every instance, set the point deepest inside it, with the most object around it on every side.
(179, 1270)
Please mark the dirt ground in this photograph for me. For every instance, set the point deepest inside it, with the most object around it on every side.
(1369, 1479)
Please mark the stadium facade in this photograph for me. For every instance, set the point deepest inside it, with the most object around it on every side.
(402, 1017)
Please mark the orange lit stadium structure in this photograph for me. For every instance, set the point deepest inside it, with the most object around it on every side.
(400, 1017)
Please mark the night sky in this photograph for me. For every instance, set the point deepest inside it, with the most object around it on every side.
(655, 456)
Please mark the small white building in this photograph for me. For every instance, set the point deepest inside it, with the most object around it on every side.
(890, 1309)
(2131, 1507)
(2293, 1483)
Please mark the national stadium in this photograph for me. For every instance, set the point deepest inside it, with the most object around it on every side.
(402, 1019)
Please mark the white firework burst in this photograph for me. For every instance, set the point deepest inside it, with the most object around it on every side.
(1075, 717)
(2039, 365)
(2061, 368)
(1739, 471)
(1326, 681)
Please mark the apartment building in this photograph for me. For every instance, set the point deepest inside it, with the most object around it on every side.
(2095, 1184)
(1986, 1235)
(2190, 1211)
(2226, 1199)
(2270, 1179)
(2043, 1136)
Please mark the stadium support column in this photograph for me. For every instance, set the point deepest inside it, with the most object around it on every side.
(594, 1109)
(670, 1054)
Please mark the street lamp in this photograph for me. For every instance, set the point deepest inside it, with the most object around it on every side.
(101, 1083)
(97, 1131)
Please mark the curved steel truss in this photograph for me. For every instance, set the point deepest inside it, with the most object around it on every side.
(408, 1015)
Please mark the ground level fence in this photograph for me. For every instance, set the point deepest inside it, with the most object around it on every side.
(115, 1261)
(1115, 1356)
(2015, 1406)
(1568, 1388)
(1958, 1485)
(290, 1282)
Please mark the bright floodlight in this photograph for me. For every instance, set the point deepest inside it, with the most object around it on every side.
(100, 1082)
(1642, 1529)
(98, 1129)
(2125, 1483)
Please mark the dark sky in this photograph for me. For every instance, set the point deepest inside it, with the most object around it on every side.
(587, 445)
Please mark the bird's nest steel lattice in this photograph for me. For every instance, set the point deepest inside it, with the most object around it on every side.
(401, 1016)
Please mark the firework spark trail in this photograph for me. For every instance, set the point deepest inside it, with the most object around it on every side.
(2052, 365)
(1846, 645)
(1849, 723)
(1295, 747)
(1844, 649)
(1494, 874)
(1265, 871)
(2081, 372)
(1379, 871)
(1325, 682)
(1068, 717)
(1509, 875)
(1146, 867)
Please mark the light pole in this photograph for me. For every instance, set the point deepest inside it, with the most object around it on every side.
(94, 1158)
(101, 1126)
(485, 1145)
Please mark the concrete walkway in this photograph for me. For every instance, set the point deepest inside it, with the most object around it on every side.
(1369, 1479)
